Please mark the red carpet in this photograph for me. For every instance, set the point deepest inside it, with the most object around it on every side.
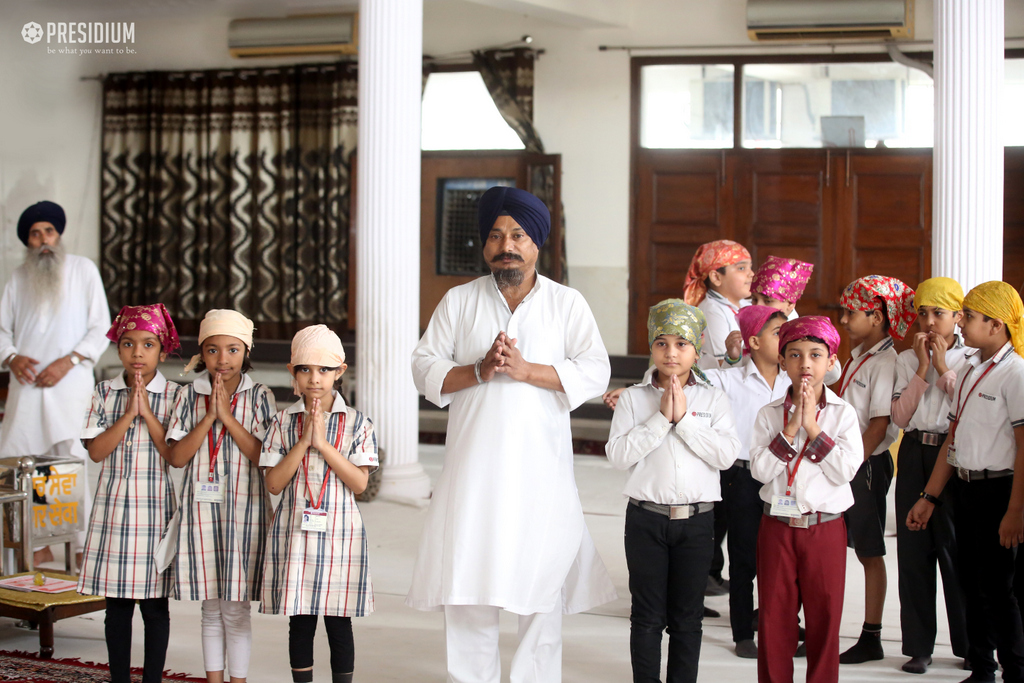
(26, 667)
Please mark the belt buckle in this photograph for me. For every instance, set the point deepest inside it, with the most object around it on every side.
(678, 511)
(963, 473)
(801, 522)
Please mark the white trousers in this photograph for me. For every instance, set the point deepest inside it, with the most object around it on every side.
(471, 632)
(227, 627)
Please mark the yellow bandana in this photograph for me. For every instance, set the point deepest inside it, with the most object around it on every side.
(940, 292)
(1000, 301)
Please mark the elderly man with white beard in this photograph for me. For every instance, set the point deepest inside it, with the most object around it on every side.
(53, 323)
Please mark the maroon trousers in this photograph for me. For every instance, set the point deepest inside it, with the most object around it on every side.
(799, 567)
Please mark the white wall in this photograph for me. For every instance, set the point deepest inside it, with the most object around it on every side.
(49, 145)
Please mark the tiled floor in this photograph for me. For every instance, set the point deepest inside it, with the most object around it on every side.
(400, 644)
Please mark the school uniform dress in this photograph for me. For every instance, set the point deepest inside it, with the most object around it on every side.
(221, 546)
(720, 315)
(748, 392)
(989, 400)
(803, 562)
(134, 498)
(309, 572)
(867, 384)
(921, 408)
(673, 484)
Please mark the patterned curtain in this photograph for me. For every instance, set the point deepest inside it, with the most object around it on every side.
(230, 189)
(508, 75)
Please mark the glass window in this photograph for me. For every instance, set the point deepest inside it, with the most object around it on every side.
(458, 113)
(1013, 103)
(686, 106)
(837, 105)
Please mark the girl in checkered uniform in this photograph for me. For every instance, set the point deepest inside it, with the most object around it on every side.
(124, 430)
(318, 453)
(218, 425)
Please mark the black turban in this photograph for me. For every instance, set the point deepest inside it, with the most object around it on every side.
(40, 212)
(524, 208)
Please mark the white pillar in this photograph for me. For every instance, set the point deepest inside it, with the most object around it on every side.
(967, 216)
(388, 235)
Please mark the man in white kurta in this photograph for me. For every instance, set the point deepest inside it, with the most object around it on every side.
(505, 529)
(50, 341)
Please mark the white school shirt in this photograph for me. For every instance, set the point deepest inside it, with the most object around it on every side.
(932, 413)
(822, 482)
(984, 436)
(720, 315)
(673, 465)
(748, 392)
(39, 417)
(869, 389)
(505, 525)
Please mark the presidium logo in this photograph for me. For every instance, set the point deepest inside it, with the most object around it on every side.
(102, 37)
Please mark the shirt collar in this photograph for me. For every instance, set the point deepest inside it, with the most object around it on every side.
(300, 405)
(202, 384)
(718, 298)
(648, 379)
(974, 357)
(156, 385)
(885, 343)
(529, 295)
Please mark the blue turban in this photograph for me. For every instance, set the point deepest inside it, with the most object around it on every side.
(524, 208)
(42, 211)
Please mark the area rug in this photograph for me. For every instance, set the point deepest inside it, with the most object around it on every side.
(26, 667)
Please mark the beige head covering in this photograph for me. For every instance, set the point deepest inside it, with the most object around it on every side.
(222, 321)
(317, 346)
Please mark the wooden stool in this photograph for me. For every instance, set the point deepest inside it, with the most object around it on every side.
(45, 609)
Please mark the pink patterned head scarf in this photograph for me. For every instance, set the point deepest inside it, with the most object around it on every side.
(710, 257)
(882, 293)
(806, 326)
(782, 278)
(153, 318)
(752, 320)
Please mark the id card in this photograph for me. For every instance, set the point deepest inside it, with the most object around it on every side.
(314, 520)
(951, 455)
(210, 492)
(785, 506)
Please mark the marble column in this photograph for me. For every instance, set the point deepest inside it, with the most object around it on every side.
(967, 215)
(388, 235)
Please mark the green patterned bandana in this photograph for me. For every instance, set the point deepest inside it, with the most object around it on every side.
(675, 316)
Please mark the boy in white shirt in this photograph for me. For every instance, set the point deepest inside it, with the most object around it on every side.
(985, 450)
(806, 447)
(674, 432)
(779, 283)
(876, 309)
(718, 283)
(925, 376)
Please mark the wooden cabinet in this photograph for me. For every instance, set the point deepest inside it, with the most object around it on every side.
(849, 212)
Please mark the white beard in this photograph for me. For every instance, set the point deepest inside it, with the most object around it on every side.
(45, 269)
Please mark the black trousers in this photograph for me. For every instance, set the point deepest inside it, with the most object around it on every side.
(721, 527)
(302, 629)
(917, 553)
(668, 562)
(118, 631)
(987, 571)
(744, 510)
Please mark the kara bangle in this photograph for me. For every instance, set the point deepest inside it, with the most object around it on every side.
(730, 361)
(930, 498)
(476, 370)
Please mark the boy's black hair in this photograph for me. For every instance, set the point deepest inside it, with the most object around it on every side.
(810, 338)
(337, 382)
(707, 280)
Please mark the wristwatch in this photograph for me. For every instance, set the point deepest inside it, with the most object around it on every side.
(75, 360)
(934, 500)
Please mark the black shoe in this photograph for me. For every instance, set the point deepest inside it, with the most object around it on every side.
(716, 587)
(711, 613)
(917, 665)
(867, 649)
(746, 649)
(801, 633)
(979, 679)
(801, 650)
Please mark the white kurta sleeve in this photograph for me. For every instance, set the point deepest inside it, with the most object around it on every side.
(586, 370)
(717, 443)
(764, 466)
(95, 341)
(7, 310)
(434, 356)
(840, 465)
(630, 442)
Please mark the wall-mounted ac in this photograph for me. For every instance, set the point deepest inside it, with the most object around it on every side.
(775, 20)
(304, 35)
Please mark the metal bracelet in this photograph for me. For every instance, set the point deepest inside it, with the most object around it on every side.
(476, 370)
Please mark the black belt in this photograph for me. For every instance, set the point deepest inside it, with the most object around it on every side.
(804, 521)
(927, 438)
(745, 464)
(674, 511)
(979, 475)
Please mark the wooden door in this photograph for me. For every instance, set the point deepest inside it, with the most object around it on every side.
(1013, 216)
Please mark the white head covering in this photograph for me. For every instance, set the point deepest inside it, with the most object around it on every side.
(223, 321)
(317, 346)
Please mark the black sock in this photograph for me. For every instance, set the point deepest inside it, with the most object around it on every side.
(871, 629)
(302, 676)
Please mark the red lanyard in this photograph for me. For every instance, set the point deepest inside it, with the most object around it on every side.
(844, 387)
(960, 408)
(305, 463)
(799, 459)
(215, 447)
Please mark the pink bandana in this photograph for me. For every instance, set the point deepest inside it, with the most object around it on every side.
(752, 320)
(782, 278)
(710, 257)
(153, 318)
(809, 326)
(881, 293)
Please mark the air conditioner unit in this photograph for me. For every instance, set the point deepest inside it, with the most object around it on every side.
(303, 35)
(775, 20)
